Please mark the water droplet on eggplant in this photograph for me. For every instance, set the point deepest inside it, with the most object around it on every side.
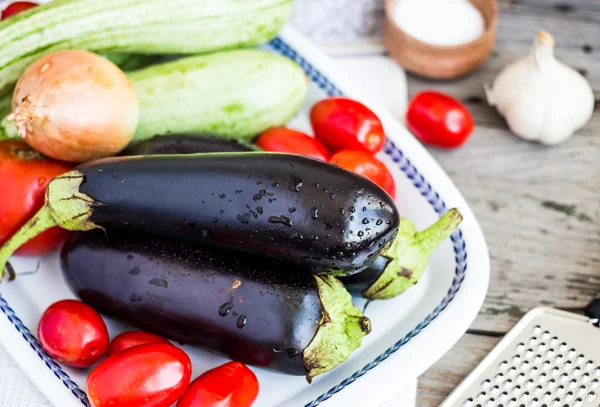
(297, 182)
(292, 353)
(292, 209)
(225, 308)
(242, 321)
(284, 220)
(159, 282)
(135, 298)
(361, 233)
(129, 257)
(379, 222)
(314, 212)
(365, 221)
(352, 209)
(259, 209)
(332, 196)
(206, 234)
(328, 226)
(222, 196)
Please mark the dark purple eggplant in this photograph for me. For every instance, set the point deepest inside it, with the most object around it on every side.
(403, 264)
(234, 304)
(305, 212)
(192, 143)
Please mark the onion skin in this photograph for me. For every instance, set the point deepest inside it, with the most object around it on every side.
(75, 106)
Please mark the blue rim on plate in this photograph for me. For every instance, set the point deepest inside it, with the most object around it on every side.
(407, 168)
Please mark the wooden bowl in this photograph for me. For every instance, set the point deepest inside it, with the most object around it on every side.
(438, 61)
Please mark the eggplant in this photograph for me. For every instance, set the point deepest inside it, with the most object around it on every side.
(233, 304)
(305, 212)
(189, 143)
(403, 264)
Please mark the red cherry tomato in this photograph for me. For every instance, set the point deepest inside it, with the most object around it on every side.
(345, 124)
(73, 333)
(439, 120)
(229, 385)
(24, 175)
(284, 140)
(152, 375)
(16, 8)
(128, 340)
(368, 166)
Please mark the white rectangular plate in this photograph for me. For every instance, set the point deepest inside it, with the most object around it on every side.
(409, 333)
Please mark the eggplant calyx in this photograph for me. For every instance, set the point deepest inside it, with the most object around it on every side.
(65, 206)
(340, 330)
(409, 255)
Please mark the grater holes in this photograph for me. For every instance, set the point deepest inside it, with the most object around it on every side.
(512, 371)
(581, 390)
(532, 341)
(545, 335)
(591, 396)
(525, 366)
(546, 365)
(520, 377)
(467, 402)
(537, 329)
(594, 383)
(538, 389)
(589, 365)
(502, 365)
(507, 383)
(498, 377)
(578, 403)
(559, 358)
(585, 378)
(541, 347)
(520, 346)
(555, 370)
(554, 341)
(577, 371)
(495, 390)
(481, 396)
(571, 354)
(572, 383)
(515, 359)
(555, 403)
(486, 383)
(528, 353)
(550, 353)
(569, 396)
(580, 359)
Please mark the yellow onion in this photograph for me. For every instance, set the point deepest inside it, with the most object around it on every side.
(75, 106)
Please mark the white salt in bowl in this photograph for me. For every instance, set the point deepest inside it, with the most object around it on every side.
(438, 61)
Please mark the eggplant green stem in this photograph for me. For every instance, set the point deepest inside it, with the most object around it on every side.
(64, 206)
(340, 330)
(409, 255)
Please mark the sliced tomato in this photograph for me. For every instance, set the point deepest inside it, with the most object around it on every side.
(16, 8)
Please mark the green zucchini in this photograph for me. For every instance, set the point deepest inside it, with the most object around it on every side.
(238, 93)
(138, 26)
(235, 93)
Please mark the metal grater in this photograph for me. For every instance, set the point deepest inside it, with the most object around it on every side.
(551, 358)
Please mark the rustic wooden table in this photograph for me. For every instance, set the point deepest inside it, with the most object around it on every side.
(539, 207)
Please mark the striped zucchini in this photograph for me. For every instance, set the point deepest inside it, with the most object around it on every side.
(235, 93)
(139, 26)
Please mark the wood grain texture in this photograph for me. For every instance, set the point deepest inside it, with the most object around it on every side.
(448, 372)
(539, 207)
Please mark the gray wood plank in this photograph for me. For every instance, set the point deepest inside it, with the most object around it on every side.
(538, 206)
(448, 372)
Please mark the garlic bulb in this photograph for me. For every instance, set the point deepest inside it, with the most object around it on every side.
(541, 98)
